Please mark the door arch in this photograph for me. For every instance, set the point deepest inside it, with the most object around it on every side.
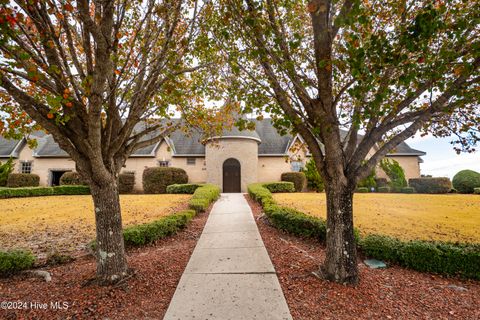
(231, 176)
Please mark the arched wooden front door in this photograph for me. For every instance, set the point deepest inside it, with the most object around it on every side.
(231, 176)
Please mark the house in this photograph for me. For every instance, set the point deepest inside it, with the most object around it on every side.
(232, 160)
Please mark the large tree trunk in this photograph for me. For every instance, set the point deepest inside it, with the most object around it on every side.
(111, 260)
(341, 258)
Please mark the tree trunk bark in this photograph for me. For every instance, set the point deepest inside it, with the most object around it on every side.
(341, 257)
(111, 259)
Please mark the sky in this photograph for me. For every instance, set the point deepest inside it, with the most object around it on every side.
(441, 160)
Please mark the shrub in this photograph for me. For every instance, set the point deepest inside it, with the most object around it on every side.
(276, 187)
(314, 180)
(466, 180)
(298, 178)
(203, 197)
(14, 261)
(369, 182)
(149, 232)
(156, 179)
(476, 190)
(126, 182)
(381, 182)
(71, 178)
(437, 257)
(186, 188)
(362, 190)
(396, 174)
(430, 185)
(17, 180)
(383, 189)
(408, 190)
(288, 219)
(5, 169)
(43, 191)
(70, 190)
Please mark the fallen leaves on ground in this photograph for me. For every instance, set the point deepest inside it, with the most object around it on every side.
(451, 217)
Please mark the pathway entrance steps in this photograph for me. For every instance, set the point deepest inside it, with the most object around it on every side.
(229, 275)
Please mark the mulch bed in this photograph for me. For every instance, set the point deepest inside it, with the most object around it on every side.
(392, 293)
(147, 294)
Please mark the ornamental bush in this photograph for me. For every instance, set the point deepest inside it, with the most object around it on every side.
(396, 174)
(431, 185)
(383, 189)
(18, 180)
(126, 182)
(186, 188)
(466, 180)
(276, 187)
(203, 197)
(314, 180)
(381, 182)
(156, 179)
(298, 178)
(408, 190)
(5, 169)
(13, 261)
(476, 190)
(71, 178)
(362, 190)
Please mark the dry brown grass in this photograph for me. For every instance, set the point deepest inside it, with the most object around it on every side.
(67, 223)
(407, 216)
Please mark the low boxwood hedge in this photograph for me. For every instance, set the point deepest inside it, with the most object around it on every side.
(430, 185)
(43, 191)
(185, 188)
(407, 190)
(476, 190)
(362, 190)
(13, 261)
(149, 232)
(283, 186)
(383, 189)
(203, 197)
(437, 257)
(19, 180)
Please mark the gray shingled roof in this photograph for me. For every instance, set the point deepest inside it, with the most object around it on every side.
(7, 147)
(271, 142)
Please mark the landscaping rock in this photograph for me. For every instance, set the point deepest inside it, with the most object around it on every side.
(457, 288)
(375, 264)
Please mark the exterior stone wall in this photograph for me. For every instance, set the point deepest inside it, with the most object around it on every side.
(243, 149)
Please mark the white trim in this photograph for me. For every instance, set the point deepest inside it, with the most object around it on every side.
(290, 144)
(233, 137)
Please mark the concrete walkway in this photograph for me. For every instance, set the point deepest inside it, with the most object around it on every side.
(229, 275)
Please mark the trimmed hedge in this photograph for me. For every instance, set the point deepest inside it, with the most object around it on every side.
(476, 190)
(381, 182)
(383, 189)
(19, 180)
(126, 182)
(203, 197)
(283, 186)
(13, 261)
(149, 232)
(298, 178)
(466, 180)
(156, 179)
(43, 191)
(431, 185)
(438, 257)
(71, 178)
(186, 188)
(362, 190)
(407, 190)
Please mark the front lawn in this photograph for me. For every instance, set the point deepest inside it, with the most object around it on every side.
(67, 223)
(405, 216)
